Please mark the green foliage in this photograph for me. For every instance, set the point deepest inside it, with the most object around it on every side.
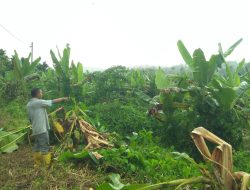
(23, 67)
(110, 84)
(17, 76)
(202, 70)
(241, 161)
(118, 100)
(230, 49)
(119, 83)
(13, 115)
(232, 77)
(139, 155)
(206, 99)
(137, 79)
(5, 63)
(121, 116)
(42, 67)
(77, 80)
(80, 156)
(77, 73)
(61, 66)
(9, 140)
(185, 54)
(116, 184)
(174, 184)
(13, 126)
(162, 81)
(69, 77)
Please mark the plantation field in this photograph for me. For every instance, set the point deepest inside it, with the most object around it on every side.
(129, 128)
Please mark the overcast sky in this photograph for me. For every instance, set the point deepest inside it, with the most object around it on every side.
(103, 33)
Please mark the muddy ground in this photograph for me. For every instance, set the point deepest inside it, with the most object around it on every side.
(17, 172)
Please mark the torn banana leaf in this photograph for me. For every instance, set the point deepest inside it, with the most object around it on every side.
(8, 141)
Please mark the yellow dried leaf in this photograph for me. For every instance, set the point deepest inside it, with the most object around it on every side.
(58, 127)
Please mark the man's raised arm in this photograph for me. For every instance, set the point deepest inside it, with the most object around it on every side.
(60, 99)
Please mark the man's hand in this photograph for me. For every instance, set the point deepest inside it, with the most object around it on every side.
(60, 99)
(65, 98)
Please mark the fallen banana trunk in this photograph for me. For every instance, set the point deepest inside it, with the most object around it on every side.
(180, 183)
(72, 130)
(242, 178)
(94, 139)
(222, 159)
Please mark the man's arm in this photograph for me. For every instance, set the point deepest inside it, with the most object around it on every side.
(46, 103)
(60, 100)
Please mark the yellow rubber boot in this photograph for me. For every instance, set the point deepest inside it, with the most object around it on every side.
(47, 159)
(37, 156)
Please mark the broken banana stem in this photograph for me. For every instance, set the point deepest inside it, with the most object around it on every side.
(180, 182)
(102, 141)
(84, 129)
(88, 131)
(87, 125)
(97, 140)
(57, 110)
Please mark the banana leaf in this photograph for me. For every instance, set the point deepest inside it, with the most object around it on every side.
(117, 185)
(163, 81)
(8, 141)
(69, 156)
(231, 49)
(185, 54)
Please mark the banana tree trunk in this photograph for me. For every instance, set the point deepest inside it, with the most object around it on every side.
(221, 155)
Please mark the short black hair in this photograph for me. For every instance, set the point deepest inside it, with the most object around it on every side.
(34, 92)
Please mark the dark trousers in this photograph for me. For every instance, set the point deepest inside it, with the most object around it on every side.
(41, 142)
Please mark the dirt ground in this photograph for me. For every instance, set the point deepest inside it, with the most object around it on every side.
(17, 172)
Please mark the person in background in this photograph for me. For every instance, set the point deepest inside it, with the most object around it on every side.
(40, 126)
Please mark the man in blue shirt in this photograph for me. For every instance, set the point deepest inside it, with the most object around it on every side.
(40, 125)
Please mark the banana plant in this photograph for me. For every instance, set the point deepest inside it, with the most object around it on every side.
(23, 68)
(231, 86)
(77, 74)
(202, 69)
(14, 82)
(61, 65)
(138, 79)
(226, 89)
(69, 76)
(232, 78)
(230, 50)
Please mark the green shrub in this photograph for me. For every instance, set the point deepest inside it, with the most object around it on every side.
(13, 115)
(241, 161)
(142, 158)
(122, 117)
